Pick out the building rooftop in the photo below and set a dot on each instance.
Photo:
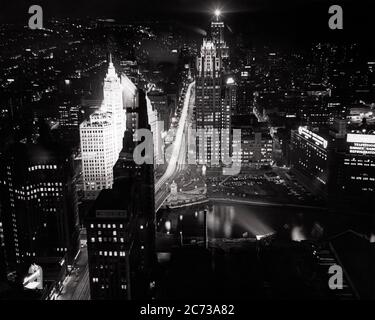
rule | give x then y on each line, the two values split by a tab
109	199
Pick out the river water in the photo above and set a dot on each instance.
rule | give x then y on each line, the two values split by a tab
237	220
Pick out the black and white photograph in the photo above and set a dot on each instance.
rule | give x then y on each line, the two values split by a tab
182	156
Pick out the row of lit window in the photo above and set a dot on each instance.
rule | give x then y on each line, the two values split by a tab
43	166
362	178
104	226
107	239
360	164
112	253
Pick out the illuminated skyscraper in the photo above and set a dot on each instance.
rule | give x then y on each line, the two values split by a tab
208	100
217	35
102	134
98	153
113	102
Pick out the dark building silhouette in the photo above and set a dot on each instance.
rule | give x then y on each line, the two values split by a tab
121	225
38	206
2	265
245	90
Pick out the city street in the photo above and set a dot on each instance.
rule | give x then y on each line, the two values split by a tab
178	158
76	286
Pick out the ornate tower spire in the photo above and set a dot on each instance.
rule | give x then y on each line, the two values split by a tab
111	68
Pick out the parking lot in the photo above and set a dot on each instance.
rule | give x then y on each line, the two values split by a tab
265	184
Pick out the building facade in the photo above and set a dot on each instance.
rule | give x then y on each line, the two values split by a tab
208	100
355	173
217	36
101	135
121	226
98	153
309	156
339	166
39	207
256	142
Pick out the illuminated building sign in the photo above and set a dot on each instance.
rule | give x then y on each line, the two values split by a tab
361	138
318	140
361	143
111	213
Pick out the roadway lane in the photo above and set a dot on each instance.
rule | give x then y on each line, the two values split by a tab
178	144
76	285
82	291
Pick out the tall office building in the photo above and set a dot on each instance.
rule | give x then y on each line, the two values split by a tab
113	103
245	90
160	102
132	121
256	141
101	135
163	112
339	166
309	156
38	206
121	226
354	165
99	154
208	101
228	104
217	36
129	93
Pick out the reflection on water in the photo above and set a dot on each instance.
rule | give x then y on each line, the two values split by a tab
236	221
231	222
297	233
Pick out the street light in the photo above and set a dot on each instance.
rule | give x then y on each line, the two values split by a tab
217	13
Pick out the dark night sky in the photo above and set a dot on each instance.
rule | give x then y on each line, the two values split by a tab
279	17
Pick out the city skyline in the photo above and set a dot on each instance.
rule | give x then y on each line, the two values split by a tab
187	151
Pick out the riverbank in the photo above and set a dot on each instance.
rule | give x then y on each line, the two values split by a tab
263	203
